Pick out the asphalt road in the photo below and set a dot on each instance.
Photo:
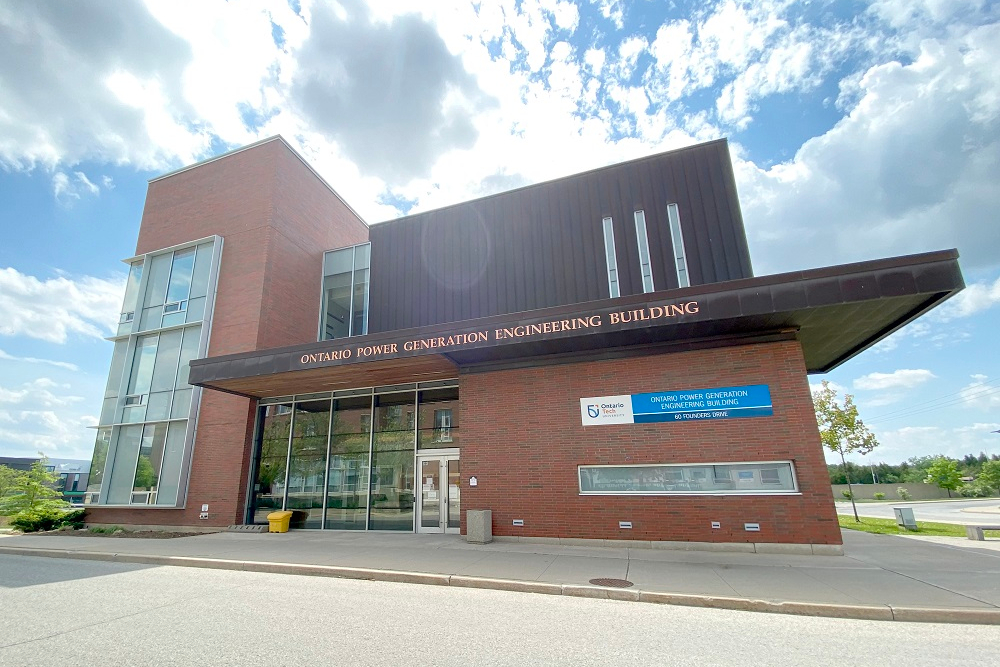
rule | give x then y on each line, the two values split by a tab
980	511
61	611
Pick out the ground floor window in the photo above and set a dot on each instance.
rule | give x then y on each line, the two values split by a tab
346	460
770	477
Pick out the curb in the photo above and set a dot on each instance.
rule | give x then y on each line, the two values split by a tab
859	612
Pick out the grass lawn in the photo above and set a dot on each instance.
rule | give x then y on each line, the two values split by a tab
889	527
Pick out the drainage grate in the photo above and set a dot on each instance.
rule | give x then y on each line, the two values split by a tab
248	528
612	583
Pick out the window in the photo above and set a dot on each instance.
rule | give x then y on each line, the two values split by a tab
644	264
609	251
677	239
131	297
769	476
442	425
345	292
772	477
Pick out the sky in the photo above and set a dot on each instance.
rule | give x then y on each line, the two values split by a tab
858	130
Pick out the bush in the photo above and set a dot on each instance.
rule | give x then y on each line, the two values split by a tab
975	490
903	493
879	495
46	518
847	494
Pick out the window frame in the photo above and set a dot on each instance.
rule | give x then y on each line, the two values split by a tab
611	257
321	327
642	240
730	466
677	243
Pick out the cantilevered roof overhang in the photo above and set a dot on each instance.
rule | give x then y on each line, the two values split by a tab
835	313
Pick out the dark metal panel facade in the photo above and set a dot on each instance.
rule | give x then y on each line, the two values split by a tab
543	245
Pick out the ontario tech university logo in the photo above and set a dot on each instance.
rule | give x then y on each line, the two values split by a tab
606	410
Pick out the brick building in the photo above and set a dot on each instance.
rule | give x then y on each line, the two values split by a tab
590	357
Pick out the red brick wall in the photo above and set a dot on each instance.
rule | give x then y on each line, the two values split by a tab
523	439
276	218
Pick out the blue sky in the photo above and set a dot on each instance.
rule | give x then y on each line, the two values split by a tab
858	130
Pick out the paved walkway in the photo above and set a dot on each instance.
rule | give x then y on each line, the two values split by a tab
879	577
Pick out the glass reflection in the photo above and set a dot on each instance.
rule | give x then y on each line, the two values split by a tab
147	470
269	485
392	472
430	493
307	464
347	478
438	418
454	494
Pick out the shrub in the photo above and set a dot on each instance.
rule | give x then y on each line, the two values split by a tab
847	494
975	490
106	530
46	518
903	494
879	495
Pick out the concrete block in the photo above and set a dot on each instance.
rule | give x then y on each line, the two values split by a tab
952	615
828	549
506	585
479	526
742	547
585	591
783	548
630	544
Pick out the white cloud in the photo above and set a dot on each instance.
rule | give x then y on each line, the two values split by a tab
36	394
904	378
897	445
34	360
981	393
67	189
53	308
60	105
973	299
613	10
816	386
911	168
595	60
566	14
52	432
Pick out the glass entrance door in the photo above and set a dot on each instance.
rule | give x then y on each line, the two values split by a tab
439	509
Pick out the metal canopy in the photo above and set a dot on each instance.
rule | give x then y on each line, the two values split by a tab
834	312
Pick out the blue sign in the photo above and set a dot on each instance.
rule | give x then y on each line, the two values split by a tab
696	404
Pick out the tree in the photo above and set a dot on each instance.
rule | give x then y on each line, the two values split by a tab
8	481
841	429
33	489
917	467
944	473
990	474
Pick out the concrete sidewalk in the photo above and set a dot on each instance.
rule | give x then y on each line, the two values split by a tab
880	577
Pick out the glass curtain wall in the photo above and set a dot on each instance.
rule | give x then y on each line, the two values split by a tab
392	462
307	461
140	449
362	452
347	480
345	292
269	488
